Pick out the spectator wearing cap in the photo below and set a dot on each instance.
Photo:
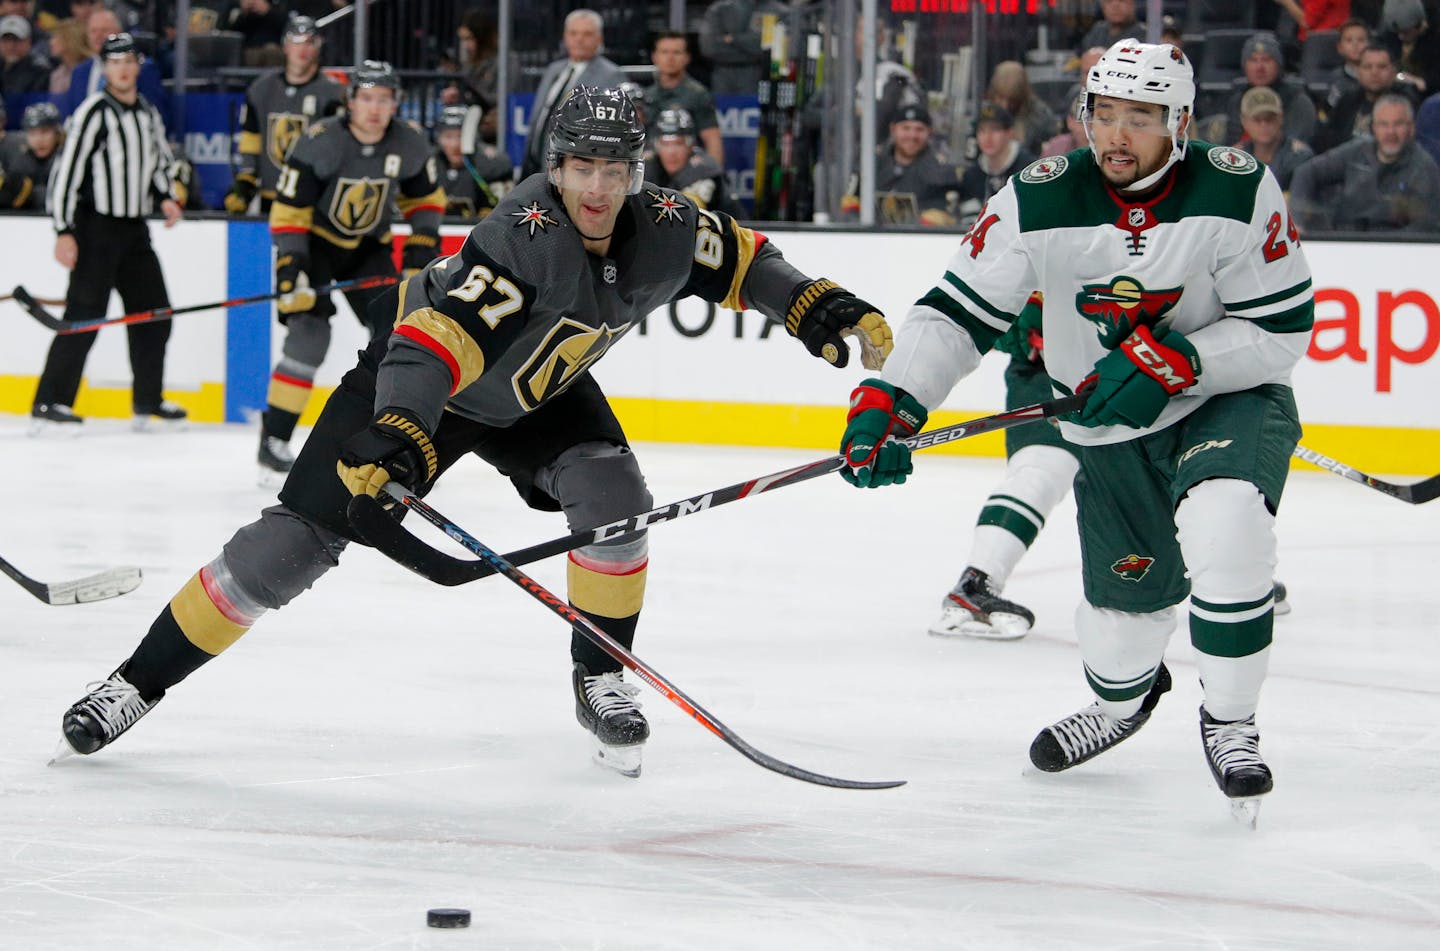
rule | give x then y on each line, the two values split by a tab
27	171
1380	182
475	181
1117	21
681	164
1074	136
1405	30
39	34
1376	77
915	181
1262	61
89	76
1000	156
280	105
675	88
1262	116
583	65
23	71
1035	122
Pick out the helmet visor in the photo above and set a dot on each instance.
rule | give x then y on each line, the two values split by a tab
580	173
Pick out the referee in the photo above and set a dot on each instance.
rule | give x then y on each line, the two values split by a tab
114	164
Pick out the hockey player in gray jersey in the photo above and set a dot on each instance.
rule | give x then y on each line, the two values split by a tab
1175	290
490	355
280	106
331	222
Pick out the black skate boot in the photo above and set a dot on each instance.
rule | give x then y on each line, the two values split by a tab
97	719
167	415
275	459
1232	748
1090	732
53	417
606	706
975	609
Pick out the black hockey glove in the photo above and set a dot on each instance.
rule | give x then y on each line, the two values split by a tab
420	250
241	193
293	285
822	314
392	448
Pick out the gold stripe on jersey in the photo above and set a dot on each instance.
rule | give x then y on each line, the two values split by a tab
250	143
202	622
745	247
466	357
606	595
288	396
289	216
408	206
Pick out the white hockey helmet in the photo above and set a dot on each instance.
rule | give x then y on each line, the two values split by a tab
1146	72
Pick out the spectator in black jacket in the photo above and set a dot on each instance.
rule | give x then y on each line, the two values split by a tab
1351	115
23	70
1384	183
1262	62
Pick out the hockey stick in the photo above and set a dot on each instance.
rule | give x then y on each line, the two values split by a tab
589	630
385	533
47	301
1416	493
33	307
98	587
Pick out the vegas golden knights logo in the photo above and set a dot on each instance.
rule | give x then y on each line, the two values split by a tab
358	205
562	357
282	131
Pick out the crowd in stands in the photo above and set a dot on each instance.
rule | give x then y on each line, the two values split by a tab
1340	98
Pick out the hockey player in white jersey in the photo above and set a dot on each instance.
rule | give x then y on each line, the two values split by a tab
1175	290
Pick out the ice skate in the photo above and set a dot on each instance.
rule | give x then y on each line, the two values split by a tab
1232	748
97	719
166	416
975	609
606	706
275	460
1087	734
53	418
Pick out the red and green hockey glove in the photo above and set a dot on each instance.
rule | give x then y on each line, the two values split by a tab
1133	382
879	415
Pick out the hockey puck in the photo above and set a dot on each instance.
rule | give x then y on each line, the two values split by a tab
448	917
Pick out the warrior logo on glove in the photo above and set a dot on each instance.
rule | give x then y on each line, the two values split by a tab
822	314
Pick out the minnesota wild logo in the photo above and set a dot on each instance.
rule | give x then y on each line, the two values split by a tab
1133	567
1122	305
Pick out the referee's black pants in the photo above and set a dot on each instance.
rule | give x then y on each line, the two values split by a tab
114	254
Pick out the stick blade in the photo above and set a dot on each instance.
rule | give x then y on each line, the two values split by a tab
1425	491
97	587
34	309
382	531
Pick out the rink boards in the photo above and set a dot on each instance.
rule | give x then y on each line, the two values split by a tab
695	373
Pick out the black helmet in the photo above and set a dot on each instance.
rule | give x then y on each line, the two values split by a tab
119	44
598	123
301	27
675	122
39	115
374	73
451	117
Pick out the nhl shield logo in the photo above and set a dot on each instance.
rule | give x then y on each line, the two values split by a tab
1133	567
609	272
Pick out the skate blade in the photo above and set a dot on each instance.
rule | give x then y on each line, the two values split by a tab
624	760
1002	627
62	752
270	479
152	424
1245	811
41	429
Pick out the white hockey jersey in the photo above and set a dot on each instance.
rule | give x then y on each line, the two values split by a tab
1212	255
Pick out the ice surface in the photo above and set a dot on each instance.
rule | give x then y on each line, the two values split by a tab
383	746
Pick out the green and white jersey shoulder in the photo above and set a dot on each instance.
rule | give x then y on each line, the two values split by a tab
1212	255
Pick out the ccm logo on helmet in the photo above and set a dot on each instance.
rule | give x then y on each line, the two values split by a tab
1121	75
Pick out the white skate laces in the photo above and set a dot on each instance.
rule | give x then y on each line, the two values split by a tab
609	696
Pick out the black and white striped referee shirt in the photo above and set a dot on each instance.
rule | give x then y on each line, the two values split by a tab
115	161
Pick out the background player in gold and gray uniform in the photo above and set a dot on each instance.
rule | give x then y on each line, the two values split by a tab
331	222
680	165
490	355
473	181
28	162
280	106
